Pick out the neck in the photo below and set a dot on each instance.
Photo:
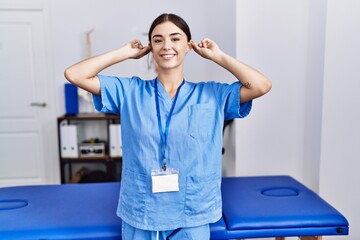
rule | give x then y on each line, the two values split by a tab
171	82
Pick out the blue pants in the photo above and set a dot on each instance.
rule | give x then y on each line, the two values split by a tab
192	233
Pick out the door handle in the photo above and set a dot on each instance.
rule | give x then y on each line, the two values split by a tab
38	104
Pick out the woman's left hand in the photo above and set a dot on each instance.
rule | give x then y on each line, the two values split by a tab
207	49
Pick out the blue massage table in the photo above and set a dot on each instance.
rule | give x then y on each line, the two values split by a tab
253	207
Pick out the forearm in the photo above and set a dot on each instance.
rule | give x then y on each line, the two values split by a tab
90	67
83	74
256	84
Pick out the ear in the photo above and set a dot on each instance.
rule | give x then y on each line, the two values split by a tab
189	46
149	45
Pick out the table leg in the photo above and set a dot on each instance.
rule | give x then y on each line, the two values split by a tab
311	238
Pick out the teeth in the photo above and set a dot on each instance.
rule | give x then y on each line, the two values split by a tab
168	56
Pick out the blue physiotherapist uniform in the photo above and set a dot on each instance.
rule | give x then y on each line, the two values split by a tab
194	147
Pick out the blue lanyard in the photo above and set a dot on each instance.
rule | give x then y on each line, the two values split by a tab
164	135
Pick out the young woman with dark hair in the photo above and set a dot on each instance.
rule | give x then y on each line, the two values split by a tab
171	130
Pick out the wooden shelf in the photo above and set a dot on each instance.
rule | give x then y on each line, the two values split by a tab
92	116
91	158
110	162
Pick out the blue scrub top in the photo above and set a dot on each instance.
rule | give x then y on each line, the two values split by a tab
194	146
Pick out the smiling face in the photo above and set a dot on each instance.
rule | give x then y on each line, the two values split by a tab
169	46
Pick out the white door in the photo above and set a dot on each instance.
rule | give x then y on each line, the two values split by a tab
25	118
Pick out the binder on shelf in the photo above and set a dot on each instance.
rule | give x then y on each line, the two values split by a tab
71	99
115	143
69	141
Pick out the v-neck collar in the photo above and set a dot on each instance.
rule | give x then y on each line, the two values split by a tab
163	94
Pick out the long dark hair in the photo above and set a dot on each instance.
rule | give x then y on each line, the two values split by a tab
175	19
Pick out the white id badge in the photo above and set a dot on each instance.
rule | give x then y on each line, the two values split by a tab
165	181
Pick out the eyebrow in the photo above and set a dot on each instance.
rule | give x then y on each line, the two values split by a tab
172	34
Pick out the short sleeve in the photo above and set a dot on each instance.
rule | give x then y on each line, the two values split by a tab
112	94
230	100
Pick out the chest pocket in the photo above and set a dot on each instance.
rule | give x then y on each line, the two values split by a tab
201	120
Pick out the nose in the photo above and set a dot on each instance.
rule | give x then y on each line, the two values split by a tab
167	45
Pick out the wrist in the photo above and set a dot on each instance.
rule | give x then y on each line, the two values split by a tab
221	58
120	54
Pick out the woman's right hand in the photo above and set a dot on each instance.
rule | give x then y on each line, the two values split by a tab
136	50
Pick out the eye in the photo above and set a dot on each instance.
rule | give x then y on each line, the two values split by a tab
157	40
176	39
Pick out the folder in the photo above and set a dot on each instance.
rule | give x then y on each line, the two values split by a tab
69	141
115	143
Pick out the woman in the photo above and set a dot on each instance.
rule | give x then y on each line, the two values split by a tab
171	128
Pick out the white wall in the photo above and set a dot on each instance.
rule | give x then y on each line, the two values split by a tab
314	93
272	36
340	148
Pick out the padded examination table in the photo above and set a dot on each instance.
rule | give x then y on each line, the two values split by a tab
253	207
275	206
